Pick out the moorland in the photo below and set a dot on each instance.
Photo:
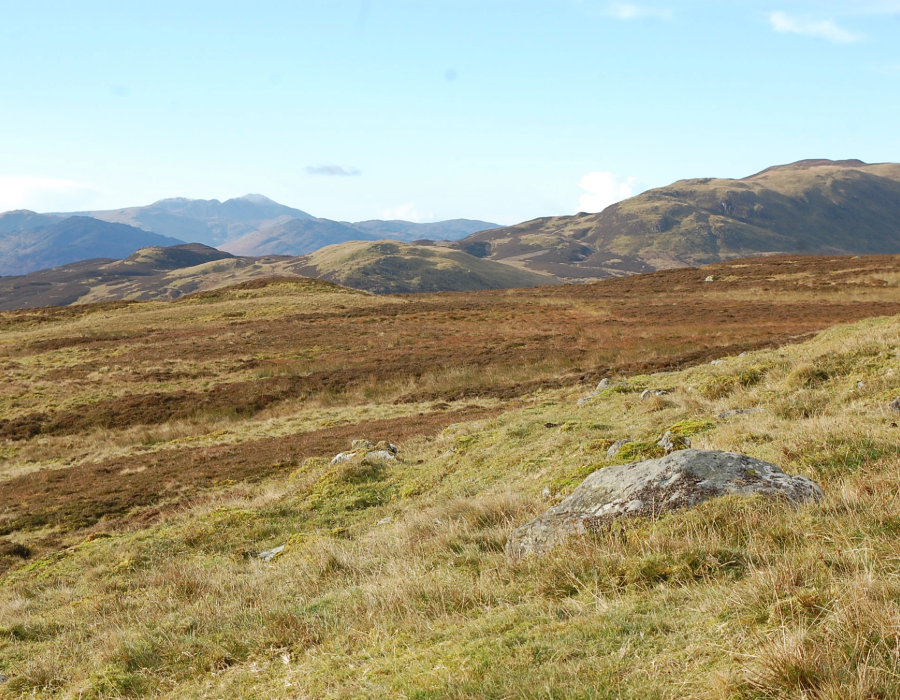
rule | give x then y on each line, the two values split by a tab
152	450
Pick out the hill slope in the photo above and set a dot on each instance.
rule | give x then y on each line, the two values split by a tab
71	239
151	452
149	273
386	267
809	207
296	237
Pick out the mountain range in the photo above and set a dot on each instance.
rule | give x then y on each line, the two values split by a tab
808	207
168	273
251	225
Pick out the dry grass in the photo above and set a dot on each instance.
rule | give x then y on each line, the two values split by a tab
394	582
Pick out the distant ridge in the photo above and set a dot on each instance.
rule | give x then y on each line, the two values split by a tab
808	207
55	242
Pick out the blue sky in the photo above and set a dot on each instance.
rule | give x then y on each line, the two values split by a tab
429	109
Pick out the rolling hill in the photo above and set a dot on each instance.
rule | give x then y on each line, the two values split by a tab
158	273
148	274
386	267
53	242
808	207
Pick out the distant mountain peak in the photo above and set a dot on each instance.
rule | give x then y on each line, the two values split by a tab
256	199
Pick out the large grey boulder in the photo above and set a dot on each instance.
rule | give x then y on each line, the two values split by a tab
648	488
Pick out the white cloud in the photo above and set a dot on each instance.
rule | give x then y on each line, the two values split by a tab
604	189
626	10
819	28
46	194
406	212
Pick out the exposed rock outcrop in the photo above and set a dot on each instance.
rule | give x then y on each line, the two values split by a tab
648	488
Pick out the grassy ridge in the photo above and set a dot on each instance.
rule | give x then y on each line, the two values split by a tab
820	207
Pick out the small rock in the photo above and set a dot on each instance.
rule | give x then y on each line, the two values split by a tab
895	404
738	412
385	521
585	399
3	678
743	354
710	278
682	479
384	455
604	385
545	494
616	447
670	442
647	393
270	554
717	362
860	385
342	457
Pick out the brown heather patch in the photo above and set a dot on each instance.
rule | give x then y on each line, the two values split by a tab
78	497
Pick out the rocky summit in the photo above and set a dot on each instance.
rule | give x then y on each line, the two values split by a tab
647	488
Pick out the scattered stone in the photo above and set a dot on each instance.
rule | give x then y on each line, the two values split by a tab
383	455
682	479
545	494
385	521
711	278
647	393
585	399
895	404
860	385
604	384
3	678
743	354
738	412
616	447
270	554
717	362
670	442
342	457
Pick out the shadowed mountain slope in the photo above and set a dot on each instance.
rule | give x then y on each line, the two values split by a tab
809	207
69	240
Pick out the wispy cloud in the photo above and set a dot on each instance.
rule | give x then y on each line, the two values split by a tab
46	194
819	28
332	171
604	189
627	10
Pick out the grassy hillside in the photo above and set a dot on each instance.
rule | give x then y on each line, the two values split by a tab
151	450
810	207
147	274
386	267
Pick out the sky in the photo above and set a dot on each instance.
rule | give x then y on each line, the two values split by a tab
427	110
